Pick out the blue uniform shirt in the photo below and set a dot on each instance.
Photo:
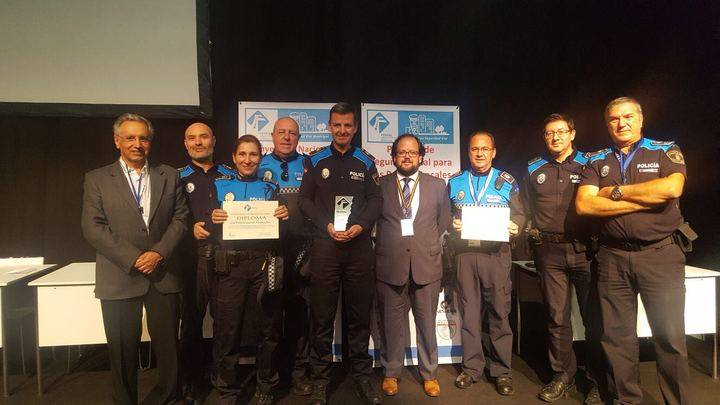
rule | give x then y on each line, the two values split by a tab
502	190
287	174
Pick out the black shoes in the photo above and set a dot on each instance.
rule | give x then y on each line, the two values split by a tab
318	395
367	391
504	386
593	396
556	389
464	380
302	387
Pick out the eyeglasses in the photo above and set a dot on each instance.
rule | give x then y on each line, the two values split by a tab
411	153
559	132
133	138
284	175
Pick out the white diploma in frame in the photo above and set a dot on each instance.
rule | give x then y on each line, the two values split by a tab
486	222
250	220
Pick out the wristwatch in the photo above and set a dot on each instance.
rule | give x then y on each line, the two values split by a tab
616	194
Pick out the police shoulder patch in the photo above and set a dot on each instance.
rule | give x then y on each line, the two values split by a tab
675	156
662	143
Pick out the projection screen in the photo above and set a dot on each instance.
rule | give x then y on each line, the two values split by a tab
105	57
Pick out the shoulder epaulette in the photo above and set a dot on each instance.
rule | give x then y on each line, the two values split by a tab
535	164
593	156
319	154
225	169
185	171
581	157
504	177
362	155
455	175
652	144
224	177
316	151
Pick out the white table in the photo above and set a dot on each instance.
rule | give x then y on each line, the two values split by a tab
13	272
68	313
700	307
66	297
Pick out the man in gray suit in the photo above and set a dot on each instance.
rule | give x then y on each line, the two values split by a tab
416	212
134	215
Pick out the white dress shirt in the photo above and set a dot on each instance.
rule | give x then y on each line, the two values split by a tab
143	180
416	197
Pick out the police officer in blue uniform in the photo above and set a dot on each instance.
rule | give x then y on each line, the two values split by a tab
198	178
633	188
340	193
241	268
284	166
483	268
562	252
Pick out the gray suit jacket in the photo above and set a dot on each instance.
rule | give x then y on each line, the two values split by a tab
395	254
113	225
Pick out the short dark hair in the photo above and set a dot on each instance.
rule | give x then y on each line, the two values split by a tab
559	117
247	138
482	132
343	108
421	147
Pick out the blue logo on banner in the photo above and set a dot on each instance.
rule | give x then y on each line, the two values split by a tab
258	121
311	122
379	122
429	126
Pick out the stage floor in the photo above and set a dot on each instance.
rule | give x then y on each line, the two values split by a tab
89	383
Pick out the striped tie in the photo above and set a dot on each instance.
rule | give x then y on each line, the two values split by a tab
406	196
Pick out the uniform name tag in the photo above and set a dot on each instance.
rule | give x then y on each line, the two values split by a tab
406	227
343	205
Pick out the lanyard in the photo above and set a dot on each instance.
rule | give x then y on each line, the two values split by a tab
136	192
406	204
625	161
478	197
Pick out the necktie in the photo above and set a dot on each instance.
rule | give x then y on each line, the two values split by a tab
406	197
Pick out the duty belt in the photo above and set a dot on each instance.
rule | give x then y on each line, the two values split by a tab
235	256
554	237
638	245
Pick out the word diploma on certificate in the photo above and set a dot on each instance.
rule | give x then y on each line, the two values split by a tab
250	220
485	222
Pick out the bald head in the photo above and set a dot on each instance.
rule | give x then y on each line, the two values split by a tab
285	137
200	143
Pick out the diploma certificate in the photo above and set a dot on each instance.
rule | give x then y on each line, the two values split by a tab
250	220
485	222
